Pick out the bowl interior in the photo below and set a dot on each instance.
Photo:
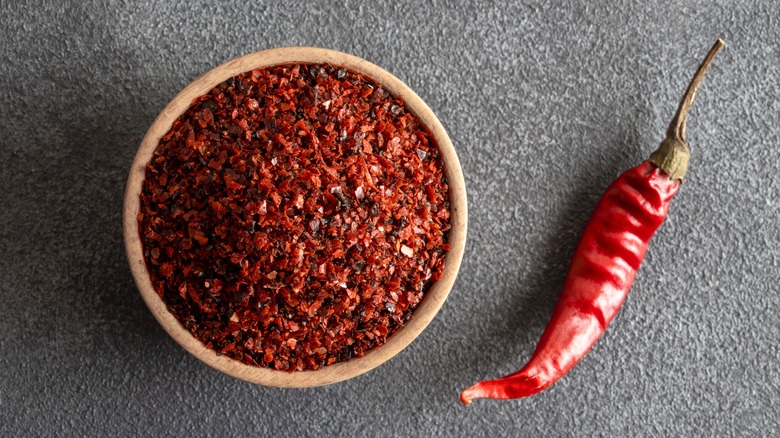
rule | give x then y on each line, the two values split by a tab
425	311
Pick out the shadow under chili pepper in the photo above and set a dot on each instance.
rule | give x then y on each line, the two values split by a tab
533	308
535	294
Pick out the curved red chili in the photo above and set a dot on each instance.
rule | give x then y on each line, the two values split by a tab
605	261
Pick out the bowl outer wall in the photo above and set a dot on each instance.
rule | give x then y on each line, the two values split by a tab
424	313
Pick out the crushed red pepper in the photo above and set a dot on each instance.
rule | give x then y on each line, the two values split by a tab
295	216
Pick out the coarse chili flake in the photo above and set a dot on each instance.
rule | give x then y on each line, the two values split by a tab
295	216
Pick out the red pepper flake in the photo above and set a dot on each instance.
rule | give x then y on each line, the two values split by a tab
295	216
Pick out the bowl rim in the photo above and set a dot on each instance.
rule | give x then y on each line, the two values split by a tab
337	372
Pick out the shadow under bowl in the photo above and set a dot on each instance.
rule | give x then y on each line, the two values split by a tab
425	311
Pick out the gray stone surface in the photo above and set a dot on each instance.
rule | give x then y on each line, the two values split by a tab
545	103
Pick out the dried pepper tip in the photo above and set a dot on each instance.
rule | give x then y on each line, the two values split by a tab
673	153
478	390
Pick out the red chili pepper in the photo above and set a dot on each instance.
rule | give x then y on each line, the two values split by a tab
605	261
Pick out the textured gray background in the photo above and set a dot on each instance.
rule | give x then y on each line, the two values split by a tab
545	105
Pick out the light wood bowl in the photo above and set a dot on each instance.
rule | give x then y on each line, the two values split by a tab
340	371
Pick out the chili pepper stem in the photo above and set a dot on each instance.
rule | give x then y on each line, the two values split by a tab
673	153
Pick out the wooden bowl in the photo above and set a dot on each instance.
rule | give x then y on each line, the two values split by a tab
343	370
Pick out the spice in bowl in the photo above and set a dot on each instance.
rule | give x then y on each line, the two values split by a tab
294	216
